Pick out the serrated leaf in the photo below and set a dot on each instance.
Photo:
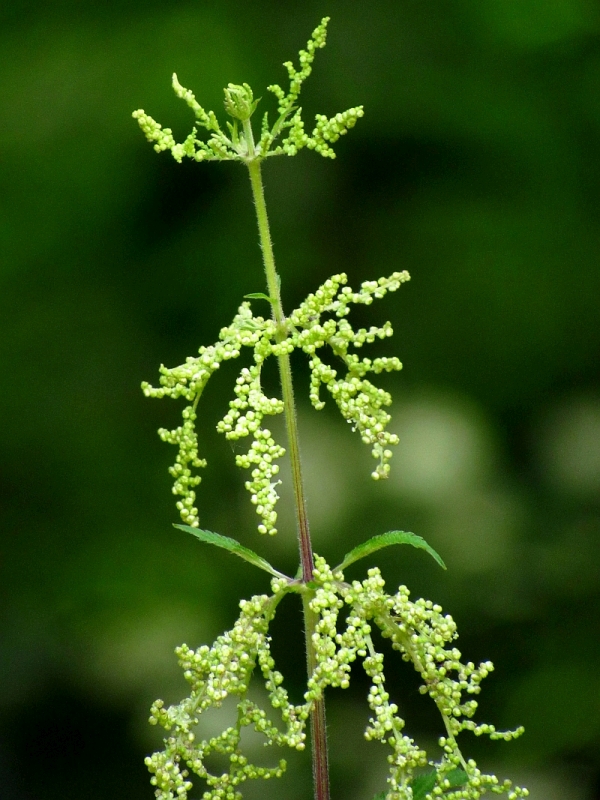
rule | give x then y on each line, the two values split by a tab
385	540
232	546
258	296
423	784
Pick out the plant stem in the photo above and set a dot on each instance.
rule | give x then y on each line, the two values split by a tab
285	371
320	763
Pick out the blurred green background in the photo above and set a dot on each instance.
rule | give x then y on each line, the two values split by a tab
477	168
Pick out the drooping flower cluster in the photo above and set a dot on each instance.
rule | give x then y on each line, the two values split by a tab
214	673
360	402
319	321
240	104
188	381
419	630
423	634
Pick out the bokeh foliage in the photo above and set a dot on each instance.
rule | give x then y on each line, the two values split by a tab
477	168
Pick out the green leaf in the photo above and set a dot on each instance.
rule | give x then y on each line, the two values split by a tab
380	796
233	546
258	296
423	784
458	777
384	540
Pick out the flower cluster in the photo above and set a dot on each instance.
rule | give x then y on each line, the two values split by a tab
238	145
419	630
422	634
188	381
214	673
244	417
319	321
360	402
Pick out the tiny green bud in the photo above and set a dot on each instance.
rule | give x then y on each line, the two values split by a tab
239	101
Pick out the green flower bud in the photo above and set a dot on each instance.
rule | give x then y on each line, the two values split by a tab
239	101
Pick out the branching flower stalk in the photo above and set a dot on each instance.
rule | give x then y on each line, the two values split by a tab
418	630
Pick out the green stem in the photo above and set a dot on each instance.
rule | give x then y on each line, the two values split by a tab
318	724
285	371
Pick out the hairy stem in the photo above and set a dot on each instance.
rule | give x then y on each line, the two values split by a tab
318	724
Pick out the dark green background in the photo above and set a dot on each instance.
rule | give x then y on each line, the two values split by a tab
477	168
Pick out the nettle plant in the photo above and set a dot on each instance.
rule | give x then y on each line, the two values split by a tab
339	616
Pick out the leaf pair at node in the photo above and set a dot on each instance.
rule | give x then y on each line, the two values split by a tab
361	551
